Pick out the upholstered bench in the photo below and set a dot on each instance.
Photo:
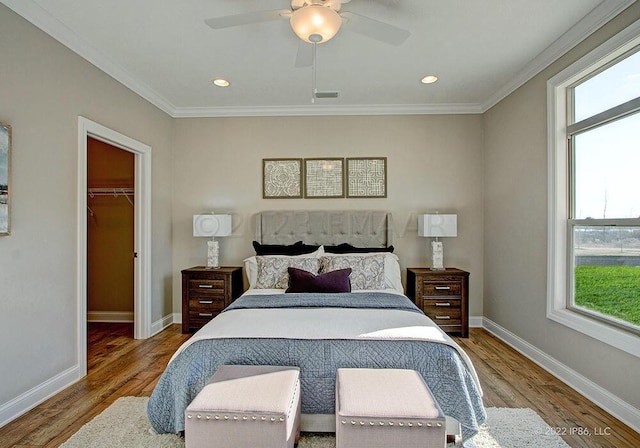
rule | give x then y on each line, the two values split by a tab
386	408
246	407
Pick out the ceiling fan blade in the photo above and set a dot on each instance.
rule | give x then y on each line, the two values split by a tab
374	28
304	57
247	18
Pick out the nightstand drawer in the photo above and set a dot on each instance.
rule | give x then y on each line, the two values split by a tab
199	321
443	315
206	304
441	305
206	286
431	288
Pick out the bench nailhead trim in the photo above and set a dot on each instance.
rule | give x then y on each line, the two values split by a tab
390	423
235	417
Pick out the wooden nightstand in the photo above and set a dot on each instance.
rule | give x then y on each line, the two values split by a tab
443	296
206	292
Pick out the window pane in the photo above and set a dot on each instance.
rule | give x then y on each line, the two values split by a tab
606	171
614	86
607	271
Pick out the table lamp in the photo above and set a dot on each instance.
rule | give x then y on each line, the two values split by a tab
212	225
437	225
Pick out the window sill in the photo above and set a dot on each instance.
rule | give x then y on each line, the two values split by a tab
611	335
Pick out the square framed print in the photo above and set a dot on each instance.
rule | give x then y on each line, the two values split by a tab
367	177
281	178
5	177
323	178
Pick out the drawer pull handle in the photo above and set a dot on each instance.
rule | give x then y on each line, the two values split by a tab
205	314
443	304
443	288
443	317
206	286
206	302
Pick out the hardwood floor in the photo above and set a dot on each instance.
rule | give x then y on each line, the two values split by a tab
510	380
120	366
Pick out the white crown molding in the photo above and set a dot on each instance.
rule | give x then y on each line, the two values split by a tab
316	110
600	15
39	17
616	406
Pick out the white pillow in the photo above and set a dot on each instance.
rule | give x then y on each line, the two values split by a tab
392	276
251	264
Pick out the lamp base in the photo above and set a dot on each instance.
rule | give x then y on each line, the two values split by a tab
437	257
213	255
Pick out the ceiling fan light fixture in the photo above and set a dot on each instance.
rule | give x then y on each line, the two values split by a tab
315	23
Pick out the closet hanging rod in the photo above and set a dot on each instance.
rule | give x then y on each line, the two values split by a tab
109	191
115	192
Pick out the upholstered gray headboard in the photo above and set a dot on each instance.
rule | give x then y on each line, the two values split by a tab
361	228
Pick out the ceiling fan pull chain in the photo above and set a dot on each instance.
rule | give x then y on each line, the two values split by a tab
313	75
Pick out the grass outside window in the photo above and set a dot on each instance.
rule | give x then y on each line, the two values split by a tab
610	290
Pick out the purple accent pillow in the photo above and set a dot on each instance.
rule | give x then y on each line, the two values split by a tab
333	281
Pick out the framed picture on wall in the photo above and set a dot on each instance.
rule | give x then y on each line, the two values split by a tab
367	177
5	177
324	178
281	178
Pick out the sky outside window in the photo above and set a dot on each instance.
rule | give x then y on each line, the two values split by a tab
607	158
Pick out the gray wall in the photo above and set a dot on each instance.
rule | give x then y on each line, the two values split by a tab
433	163
44	87
515	239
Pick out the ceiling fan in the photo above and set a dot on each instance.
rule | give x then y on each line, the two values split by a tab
316	22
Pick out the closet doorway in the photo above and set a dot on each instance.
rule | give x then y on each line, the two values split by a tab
141	204
110	229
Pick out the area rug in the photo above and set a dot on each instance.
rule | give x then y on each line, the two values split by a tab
125	424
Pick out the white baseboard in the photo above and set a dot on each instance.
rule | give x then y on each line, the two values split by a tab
475	321
110	316
30	399
161	324
600	396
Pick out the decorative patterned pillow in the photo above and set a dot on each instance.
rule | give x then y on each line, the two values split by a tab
367	271
272	270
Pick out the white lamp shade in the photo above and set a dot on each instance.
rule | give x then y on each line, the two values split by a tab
211	225
315	23
437	225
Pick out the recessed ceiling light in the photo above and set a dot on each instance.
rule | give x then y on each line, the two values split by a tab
429	79
220	82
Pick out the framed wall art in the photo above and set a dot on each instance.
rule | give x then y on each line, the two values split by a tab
281	178
367	177
324	178
5	177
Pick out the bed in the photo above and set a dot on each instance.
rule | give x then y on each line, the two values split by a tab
344	307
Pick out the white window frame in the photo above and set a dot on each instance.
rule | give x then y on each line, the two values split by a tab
558	178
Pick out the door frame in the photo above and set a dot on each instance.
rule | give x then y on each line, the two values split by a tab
142	231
